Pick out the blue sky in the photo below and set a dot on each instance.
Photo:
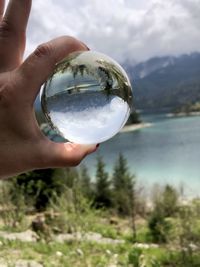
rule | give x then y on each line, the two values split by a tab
133	30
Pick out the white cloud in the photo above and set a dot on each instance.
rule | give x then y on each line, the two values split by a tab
123	29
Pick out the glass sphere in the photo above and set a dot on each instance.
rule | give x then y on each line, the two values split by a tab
88	98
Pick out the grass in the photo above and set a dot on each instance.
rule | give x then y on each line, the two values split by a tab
83	254
89	254
72	254
184	230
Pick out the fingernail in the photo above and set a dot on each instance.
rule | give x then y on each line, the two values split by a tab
86	46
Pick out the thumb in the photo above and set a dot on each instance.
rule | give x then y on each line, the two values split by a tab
56	155
41	63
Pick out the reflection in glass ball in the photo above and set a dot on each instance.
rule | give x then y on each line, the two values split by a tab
88	98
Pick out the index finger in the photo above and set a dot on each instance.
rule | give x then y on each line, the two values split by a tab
16	15
2	4
12	33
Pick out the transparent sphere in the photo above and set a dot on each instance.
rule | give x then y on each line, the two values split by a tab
88	98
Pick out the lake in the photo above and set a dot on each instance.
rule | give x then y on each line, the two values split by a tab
166	152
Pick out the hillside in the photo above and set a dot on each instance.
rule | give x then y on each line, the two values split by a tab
166	82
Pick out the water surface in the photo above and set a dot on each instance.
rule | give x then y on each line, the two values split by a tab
166	152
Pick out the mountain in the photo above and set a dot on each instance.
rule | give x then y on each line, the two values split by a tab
166	82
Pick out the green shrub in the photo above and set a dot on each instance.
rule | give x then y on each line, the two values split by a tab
134	257
159	227
13	207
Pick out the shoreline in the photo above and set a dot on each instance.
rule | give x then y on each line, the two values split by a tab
134	127
183	114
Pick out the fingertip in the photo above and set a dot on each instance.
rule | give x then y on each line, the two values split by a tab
83	149
85	46
90	148
66	154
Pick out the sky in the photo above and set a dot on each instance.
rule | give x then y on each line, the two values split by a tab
127	30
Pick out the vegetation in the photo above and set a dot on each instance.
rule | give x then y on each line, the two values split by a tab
79	221
188	109
133	118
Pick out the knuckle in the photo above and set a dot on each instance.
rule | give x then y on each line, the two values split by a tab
43	50
6	29
5	99
8	91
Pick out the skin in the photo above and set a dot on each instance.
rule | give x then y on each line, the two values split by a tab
23	147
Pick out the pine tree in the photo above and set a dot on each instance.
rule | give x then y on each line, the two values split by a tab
85	183
71	177
165	205
102	186
123	186
170	200
124	196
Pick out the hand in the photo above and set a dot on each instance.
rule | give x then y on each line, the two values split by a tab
23	147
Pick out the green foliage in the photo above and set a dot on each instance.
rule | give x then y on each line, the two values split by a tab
134	257
102	186
70	177
165	205
13	207
169	201
37	187
133	118
70	199
85	183
123	187
105	229
143	235
188	231
138	258
159	227
72	211
188	108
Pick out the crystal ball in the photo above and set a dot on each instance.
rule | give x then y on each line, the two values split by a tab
88	98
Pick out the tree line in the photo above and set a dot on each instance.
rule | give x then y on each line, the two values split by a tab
106	191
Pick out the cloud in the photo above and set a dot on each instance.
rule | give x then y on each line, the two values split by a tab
124	29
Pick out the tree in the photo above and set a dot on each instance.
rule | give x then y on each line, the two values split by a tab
123	186
169	201
158	225
36	186
165	205
85	183
71	177
133	118
40	186
102	187
124	195
188	233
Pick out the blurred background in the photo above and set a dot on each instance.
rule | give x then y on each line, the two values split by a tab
157	42
135	202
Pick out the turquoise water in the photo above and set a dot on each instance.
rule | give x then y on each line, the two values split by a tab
166	152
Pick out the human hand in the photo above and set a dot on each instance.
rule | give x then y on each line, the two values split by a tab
23	147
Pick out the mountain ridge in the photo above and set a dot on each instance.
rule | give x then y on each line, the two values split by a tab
163	82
